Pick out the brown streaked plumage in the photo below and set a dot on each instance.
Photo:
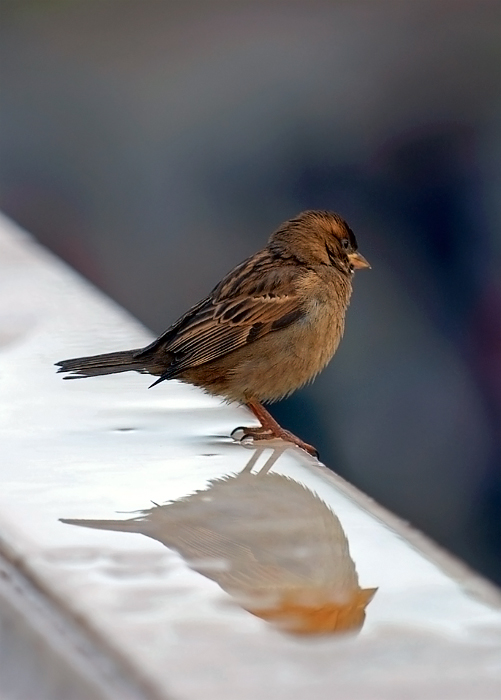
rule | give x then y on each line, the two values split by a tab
265	330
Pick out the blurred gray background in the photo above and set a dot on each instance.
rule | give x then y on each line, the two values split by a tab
153	145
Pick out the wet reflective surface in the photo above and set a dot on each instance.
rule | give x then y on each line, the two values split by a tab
254	575
268	541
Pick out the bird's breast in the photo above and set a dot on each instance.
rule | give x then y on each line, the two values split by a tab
282	361
319	333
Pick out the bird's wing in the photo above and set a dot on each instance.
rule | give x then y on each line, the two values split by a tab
256	298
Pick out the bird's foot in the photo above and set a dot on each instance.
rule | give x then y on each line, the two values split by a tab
260	433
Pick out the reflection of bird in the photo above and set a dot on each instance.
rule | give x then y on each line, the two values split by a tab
266	329
269	542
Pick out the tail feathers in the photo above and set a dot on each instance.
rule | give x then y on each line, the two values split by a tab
132	525
109	363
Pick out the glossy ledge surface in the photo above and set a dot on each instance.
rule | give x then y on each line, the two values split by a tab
211	569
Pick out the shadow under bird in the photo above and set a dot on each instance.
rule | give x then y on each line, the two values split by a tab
269	327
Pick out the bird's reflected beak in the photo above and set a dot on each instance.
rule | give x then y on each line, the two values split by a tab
358	261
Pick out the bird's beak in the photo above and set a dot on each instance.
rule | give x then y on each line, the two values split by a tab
358	261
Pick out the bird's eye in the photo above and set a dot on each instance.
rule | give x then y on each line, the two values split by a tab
345	243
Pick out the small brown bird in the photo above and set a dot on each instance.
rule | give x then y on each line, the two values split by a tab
265	330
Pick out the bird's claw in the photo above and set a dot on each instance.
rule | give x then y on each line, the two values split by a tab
235	431
260	433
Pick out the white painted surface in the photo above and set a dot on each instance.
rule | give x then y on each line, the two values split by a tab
102	448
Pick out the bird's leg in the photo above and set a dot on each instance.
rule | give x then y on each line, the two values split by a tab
271	429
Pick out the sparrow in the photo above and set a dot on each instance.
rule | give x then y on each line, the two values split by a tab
269	327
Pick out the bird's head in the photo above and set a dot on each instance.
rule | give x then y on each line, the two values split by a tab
319	238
